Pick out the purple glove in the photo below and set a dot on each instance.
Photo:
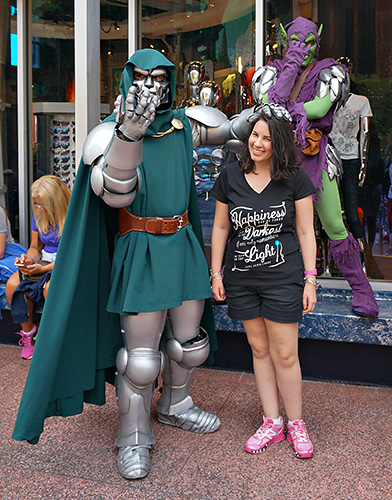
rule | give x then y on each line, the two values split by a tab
292	61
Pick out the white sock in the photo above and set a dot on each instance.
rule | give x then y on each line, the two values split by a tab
31	331
277	421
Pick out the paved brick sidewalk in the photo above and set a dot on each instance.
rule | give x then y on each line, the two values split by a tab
75	459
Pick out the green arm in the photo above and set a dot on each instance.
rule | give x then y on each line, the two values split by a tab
314	109
318	107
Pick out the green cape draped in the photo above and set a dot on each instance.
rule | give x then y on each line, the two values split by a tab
78	338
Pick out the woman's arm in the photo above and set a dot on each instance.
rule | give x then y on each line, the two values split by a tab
307	241
220	233
33	254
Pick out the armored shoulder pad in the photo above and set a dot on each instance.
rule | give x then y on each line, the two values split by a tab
263	79
336	82
206	115
97	141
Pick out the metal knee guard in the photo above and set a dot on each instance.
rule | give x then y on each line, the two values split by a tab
180	363
137	370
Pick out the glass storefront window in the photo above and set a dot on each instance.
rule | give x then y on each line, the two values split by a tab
8	116
220	36
53	90
359	31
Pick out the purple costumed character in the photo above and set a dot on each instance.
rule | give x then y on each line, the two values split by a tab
311	90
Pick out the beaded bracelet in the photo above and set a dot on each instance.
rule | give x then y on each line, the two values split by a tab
312	282
217	275
312	272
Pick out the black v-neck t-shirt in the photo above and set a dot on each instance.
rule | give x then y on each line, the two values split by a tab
263	247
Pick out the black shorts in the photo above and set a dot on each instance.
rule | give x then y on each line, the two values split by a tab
282	303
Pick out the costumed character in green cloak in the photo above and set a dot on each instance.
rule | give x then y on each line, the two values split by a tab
153	280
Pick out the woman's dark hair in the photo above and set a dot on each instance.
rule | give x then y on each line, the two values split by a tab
284	151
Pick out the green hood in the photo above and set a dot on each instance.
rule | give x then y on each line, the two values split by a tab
149	59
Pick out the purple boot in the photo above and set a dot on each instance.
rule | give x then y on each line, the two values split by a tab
345	254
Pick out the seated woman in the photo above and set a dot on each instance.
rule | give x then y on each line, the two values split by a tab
27	288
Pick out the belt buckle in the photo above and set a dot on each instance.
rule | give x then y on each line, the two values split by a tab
180	221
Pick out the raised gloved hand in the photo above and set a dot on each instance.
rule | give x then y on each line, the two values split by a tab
292	60
135	119
296	53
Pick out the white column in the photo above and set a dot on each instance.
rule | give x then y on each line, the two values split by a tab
133	27
87	70
25	111
260	35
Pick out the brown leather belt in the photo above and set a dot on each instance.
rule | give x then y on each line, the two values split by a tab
153	225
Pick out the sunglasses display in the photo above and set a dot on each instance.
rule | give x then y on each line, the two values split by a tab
62	137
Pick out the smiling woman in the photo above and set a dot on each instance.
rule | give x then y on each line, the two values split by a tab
263	278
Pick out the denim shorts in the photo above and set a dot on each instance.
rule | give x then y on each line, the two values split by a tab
281	303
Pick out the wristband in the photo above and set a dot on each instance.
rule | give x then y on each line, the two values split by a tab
315	283
312	272
217	275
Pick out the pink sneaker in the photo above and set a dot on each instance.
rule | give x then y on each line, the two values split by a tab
28	343
298	436
266	434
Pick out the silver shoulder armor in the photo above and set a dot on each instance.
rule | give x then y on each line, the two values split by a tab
206	115
336	82
114	177
97	141
209	125
263	79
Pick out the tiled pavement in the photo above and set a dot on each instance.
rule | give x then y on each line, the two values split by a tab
350	426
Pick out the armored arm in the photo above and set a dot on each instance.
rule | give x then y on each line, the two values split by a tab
114	176
363	148
114	150
209	125
332	87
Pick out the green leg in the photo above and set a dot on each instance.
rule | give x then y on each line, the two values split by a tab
329	210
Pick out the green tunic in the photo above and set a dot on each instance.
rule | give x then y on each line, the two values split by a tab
156	272
79	335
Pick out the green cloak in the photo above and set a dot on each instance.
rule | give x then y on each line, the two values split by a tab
78	338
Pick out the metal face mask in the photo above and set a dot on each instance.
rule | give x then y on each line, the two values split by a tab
156	81
209	94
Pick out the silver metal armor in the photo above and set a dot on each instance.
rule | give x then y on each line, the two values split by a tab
334	162
114	178
184	347
209	125
263	79
209	93
336	82
363	148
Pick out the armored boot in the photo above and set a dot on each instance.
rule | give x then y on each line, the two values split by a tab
345	254
175	406
137	370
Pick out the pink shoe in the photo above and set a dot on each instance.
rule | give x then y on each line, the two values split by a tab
298	436
266	434
28	343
